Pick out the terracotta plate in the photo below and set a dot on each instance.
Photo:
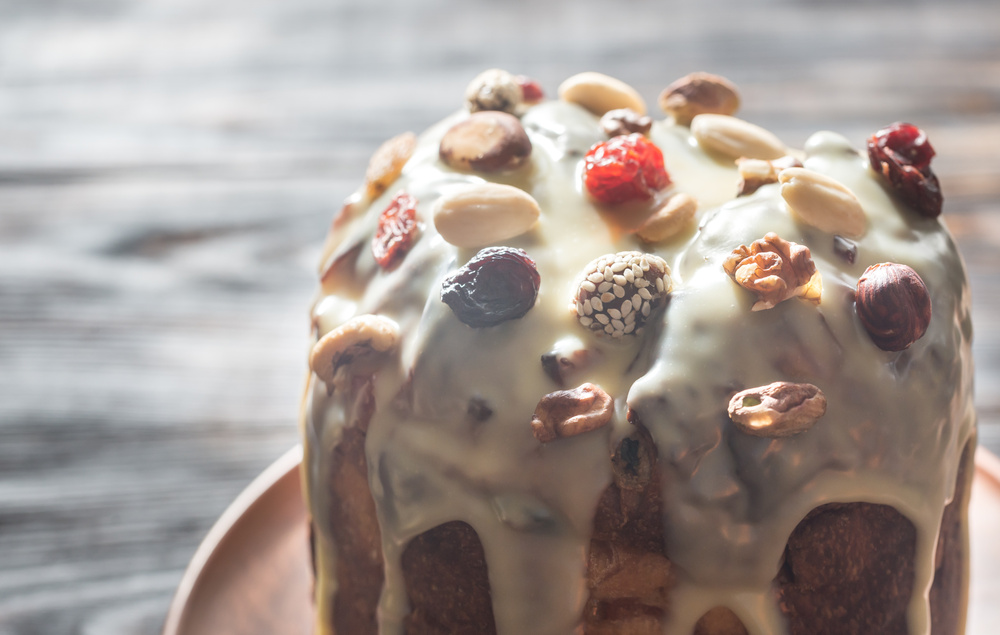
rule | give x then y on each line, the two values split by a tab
251	575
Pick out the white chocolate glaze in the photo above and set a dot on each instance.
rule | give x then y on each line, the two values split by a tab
893	433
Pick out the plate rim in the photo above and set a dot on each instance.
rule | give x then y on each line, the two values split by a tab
287	465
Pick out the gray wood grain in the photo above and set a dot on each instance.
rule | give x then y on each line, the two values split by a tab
168	169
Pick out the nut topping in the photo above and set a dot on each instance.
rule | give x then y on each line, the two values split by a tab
486	142
483	214
387	163
756	173
618	292
780	409
567	357
600	93
735	138
775	270
822	202
361	337
893	305
566	413
625	121
666	222
698	94
494	89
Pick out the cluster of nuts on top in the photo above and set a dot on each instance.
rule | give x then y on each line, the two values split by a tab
891	300
617	293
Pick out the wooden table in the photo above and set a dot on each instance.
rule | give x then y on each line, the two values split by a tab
168	169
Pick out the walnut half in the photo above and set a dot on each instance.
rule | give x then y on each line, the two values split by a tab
775	270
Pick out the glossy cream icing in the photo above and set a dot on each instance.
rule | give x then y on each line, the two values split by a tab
893	433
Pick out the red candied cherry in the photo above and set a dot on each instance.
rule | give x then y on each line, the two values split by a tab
624	168
902	154
530	89
397	227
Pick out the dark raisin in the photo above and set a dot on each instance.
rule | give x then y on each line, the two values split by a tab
498	284
479	410
846	249
624	168
397	226
902	154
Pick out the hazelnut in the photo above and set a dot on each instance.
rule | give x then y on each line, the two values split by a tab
494	89
699	93
893	305
487	141
625	121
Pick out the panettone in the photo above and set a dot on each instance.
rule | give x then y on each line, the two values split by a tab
577	370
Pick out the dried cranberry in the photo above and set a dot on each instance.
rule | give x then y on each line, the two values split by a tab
902	154
624	168
498	284
397	226
530	89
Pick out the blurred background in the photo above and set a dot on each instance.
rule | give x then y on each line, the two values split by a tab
168	170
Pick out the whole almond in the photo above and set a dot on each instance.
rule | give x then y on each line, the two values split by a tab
698	94
735	138
487	141
484	214
600	93
670	219
822	202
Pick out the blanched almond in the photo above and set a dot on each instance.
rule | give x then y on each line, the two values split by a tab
484	214
600	93
670	219
736	138
822	202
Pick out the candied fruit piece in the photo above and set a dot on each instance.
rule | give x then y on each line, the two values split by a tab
530	88
902	154
624	168
498	284
397	228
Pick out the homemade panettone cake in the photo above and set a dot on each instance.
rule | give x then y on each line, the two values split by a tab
579	371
